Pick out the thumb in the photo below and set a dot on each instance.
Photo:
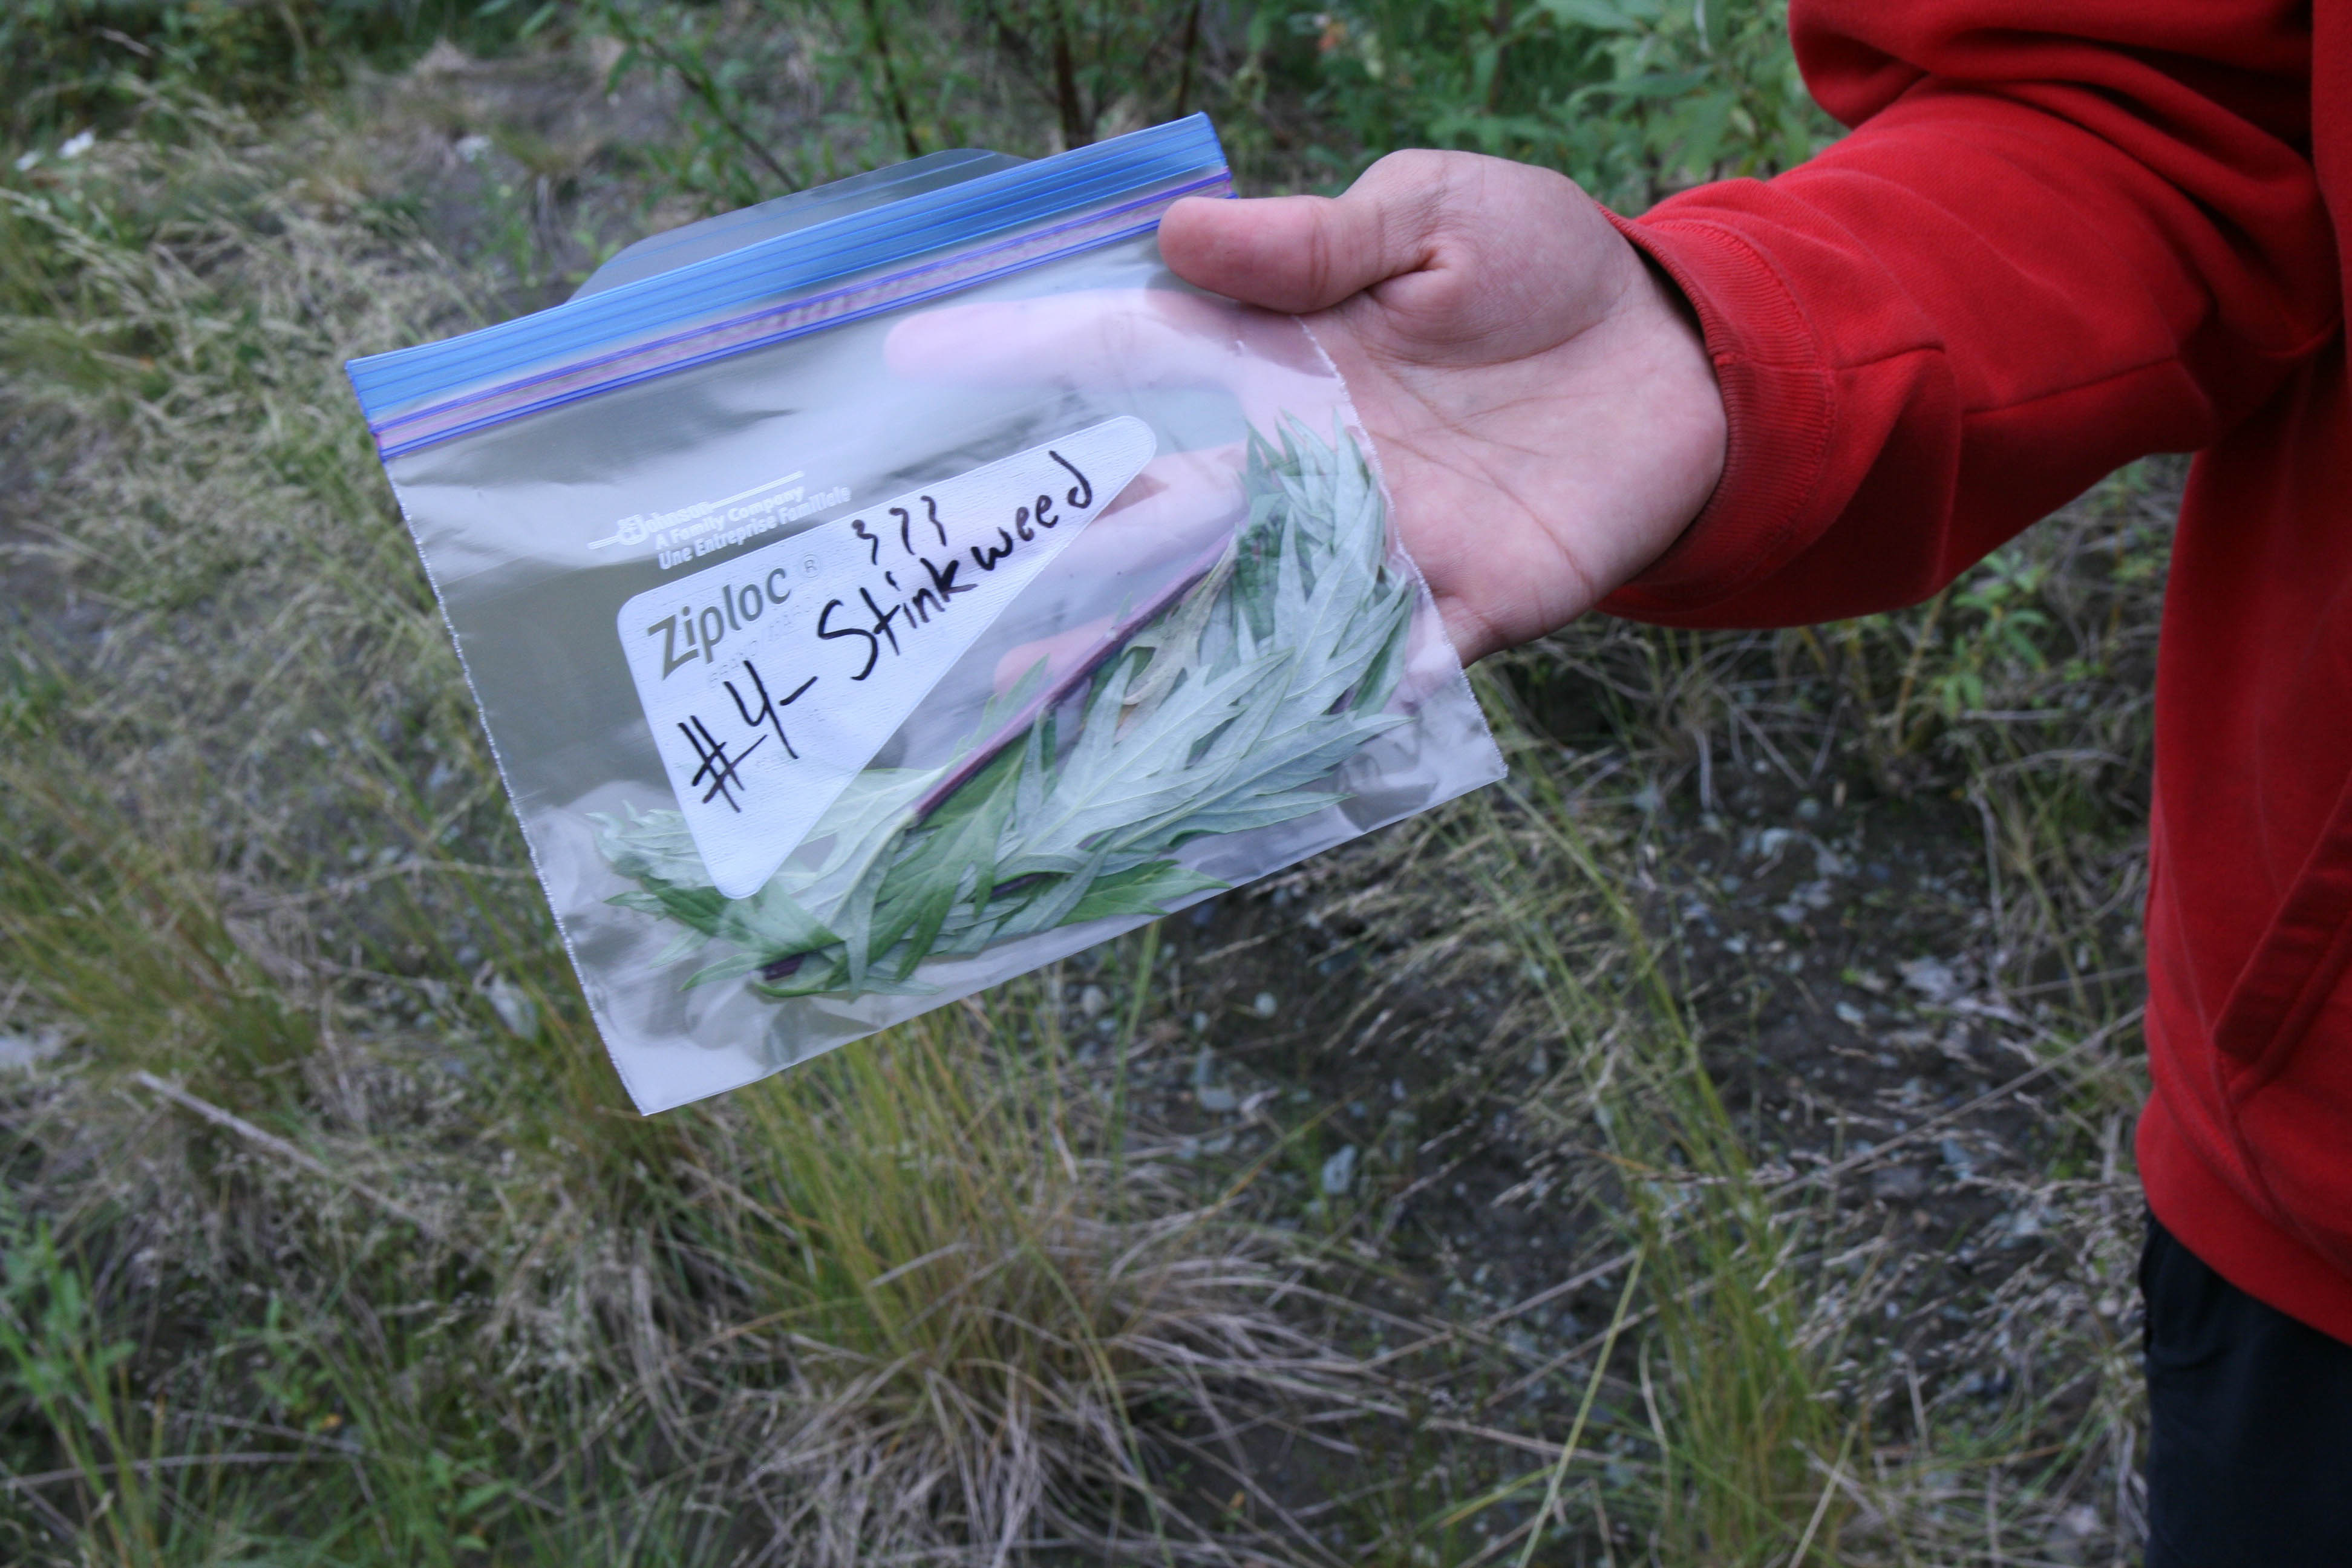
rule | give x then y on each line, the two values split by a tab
1297	254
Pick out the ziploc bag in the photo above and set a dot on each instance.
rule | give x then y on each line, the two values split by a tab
874	596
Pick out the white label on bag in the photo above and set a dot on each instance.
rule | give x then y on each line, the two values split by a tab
769	682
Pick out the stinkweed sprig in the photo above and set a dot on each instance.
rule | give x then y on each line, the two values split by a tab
1228	709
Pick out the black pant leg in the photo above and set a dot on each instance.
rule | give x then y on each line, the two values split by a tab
2250	1448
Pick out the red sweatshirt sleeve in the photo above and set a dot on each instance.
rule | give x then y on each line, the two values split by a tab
2064	234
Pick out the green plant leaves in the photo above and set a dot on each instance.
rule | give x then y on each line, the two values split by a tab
1630	98
1229	711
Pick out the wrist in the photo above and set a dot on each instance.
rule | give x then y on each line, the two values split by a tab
1692	382
1774	405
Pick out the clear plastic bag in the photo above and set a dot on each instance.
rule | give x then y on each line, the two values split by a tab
874	596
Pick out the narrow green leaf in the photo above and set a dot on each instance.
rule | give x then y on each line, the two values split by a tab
1146	890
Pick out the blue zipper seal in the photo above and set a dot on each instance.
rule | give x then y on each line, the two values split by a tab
885	257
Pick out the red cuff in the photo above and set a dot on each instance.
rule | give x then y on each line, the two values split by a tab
1777	398
2242	1244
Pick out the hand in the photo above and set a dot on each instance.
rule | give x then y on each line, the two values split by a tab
1544	409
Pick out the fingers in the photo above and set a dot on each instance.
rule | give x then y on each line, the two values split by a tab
1060	654
1126	340
1171	509
1153	335
1300	254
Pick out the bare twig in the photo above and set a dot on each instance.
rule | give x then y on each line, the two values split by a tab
699	82
169	1462
878	36
284	1151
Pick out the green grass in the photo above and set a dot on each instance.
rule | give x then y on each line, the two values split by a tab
1741	1414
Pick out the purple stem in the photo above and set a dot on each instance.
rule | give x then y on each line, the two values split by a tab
1114	638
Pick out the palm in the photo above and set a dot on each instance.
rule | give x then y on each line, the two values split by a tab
1546	418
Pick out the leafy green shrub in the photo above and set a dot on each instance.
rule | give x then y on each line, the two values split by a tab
1630	98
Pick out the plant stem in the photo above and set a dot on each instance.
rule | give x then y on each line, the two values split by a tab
1583	1409
1901	719
880	38
1118	1081
1113	639
1501	29
1077	132
704	86
1192	47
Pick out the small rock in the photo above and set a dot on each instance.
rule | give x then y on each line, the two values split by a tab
1898	1184
1986	1385
1850	1015
1092	1001
1931	977
1266	1006
514	1008
1211	1096
1340	1172
25	1051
